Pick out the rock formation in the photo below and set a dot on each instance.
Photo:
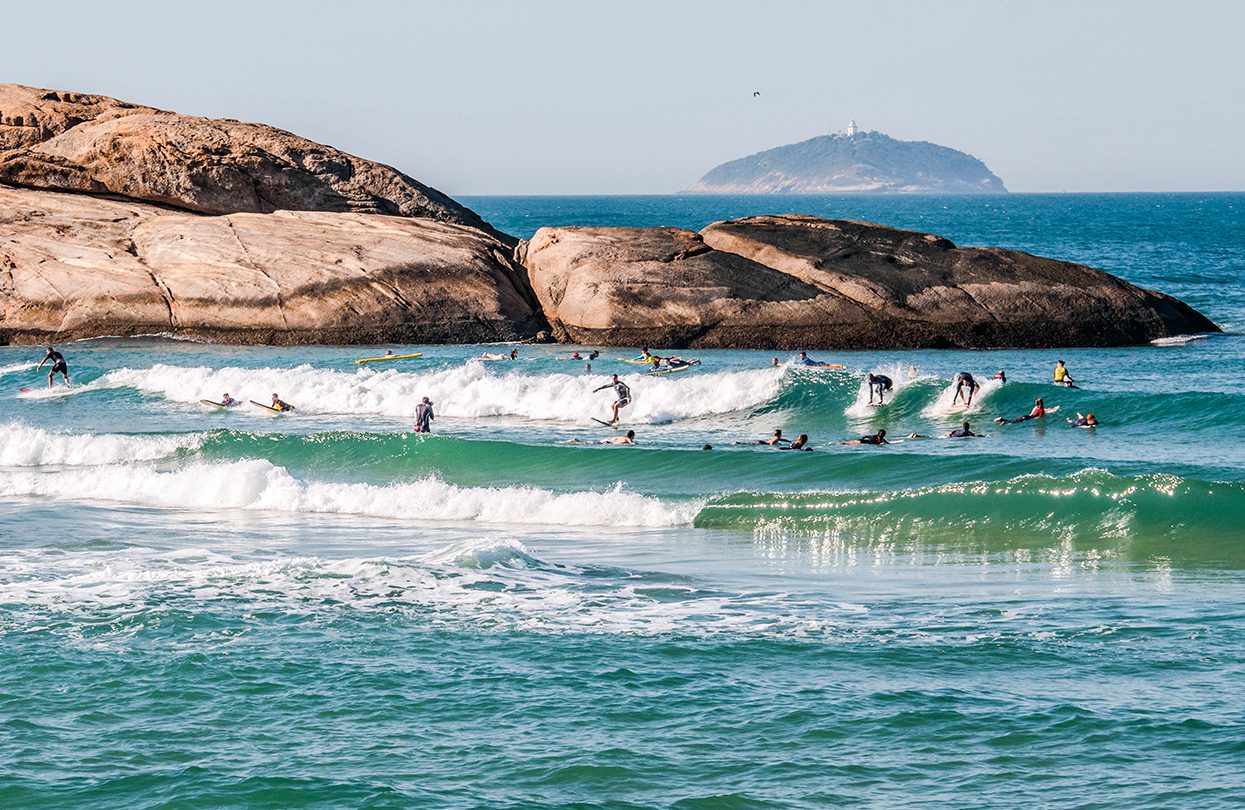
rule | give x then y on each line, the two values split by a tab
868	162
800	282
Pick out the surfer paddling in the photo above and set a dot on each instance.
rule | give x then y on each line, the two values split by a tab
58	365
965	431
228	401
877	438
623	393
965	380
514	355
1038	412
280	405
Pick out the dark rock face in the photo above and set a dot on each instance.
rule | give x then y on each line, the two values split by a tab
61	141
800	282
869	162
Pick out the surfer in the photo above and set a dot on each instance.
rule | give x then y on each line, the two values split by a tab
628	439
964	432
962	380
877	438
798	444
623	392
424	416
594	354
1062	377
773	441
776	363
279	405
58	365
805	360
1038	412
514	355
1086	421
228	401
575	356
1001	376
880	383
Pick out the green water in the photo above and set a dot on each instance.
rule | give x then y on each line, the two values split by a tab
223	609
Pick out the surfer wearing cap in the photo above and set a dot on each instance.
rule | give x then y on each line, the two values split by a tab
965	380
964	432
424	416
880	383
58	365
623	392
877	438
279	405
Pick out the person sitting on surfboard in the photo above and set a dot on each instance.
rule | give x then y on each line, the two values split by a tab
962	380
424	416
1038	412
278	405
1062	377
623	392
880	383
877	438
228	401
58	365
964	432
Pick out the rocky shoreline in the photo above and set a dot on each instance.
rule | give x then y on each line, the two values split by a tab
118	219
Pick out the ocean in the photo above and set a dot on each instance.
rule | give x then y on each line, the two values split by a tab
208	608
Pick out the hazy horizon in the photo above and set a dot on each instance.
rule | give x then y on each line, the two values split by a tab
555	98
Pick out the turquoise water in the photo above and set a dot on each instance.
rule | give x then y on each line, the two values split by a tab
226	609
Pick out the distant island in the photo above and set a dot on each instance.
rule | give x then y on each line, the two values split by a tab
852	162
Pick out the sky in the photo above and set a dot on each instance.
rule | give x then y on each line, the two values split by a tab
642	97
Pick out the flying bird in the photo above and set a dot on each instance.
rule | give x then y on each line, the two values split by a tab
756	93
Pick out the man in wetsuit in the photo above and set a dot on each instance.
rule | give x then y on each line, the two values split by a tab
877	438
228	401
1062	377
880	383
962	380
279	405
424	416
58	365
964	432
623	392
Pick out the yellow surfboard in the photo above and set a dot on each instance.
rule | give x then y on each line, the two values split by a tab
388	357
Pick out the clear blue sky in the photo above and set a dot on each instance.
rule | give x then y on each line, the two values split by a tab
644	97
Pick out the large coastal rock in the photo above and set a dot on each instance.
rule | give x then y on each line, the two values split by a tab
801	282
61	141
864	162
75	266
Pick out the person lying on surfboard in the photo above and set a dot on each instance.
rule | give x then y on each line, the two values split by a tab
514	355
228	401
798	444
628	439
877	438
776	440
279	405
623	392
1038	412
805	360
965	380
1086	421
964	432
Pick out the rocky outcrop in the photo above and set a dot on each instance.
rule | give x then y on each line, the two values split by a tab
865	162
61	141
800	282
75	266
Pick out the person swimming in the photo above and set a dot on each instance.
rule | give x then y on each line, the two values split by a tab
1038	412
621	390
963	380
877	438
964	432
880	383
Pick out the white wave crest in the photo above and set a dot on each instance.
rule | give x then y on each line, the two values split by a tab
16	367
25	446
472	390
260	485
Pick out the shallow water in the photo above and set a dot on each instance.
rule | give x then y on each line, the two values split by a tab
204	608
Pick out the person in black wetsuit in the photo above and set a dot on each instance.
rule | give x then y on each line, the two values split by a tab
1038	412
880	383
58	365
962	380
424	416
964	432
877	438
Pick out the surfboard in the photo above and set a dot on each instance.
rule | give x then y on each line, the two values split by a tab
602	422
670	370
635	362
389	357
220	406
814	365
268	408
23	390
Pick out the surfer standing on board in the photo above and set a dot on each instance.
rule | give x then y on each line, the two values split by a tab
880	383
962	380
623	392
58	365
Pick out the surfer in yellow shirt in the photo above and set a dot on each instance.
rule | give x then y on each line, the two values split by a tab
1062	377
